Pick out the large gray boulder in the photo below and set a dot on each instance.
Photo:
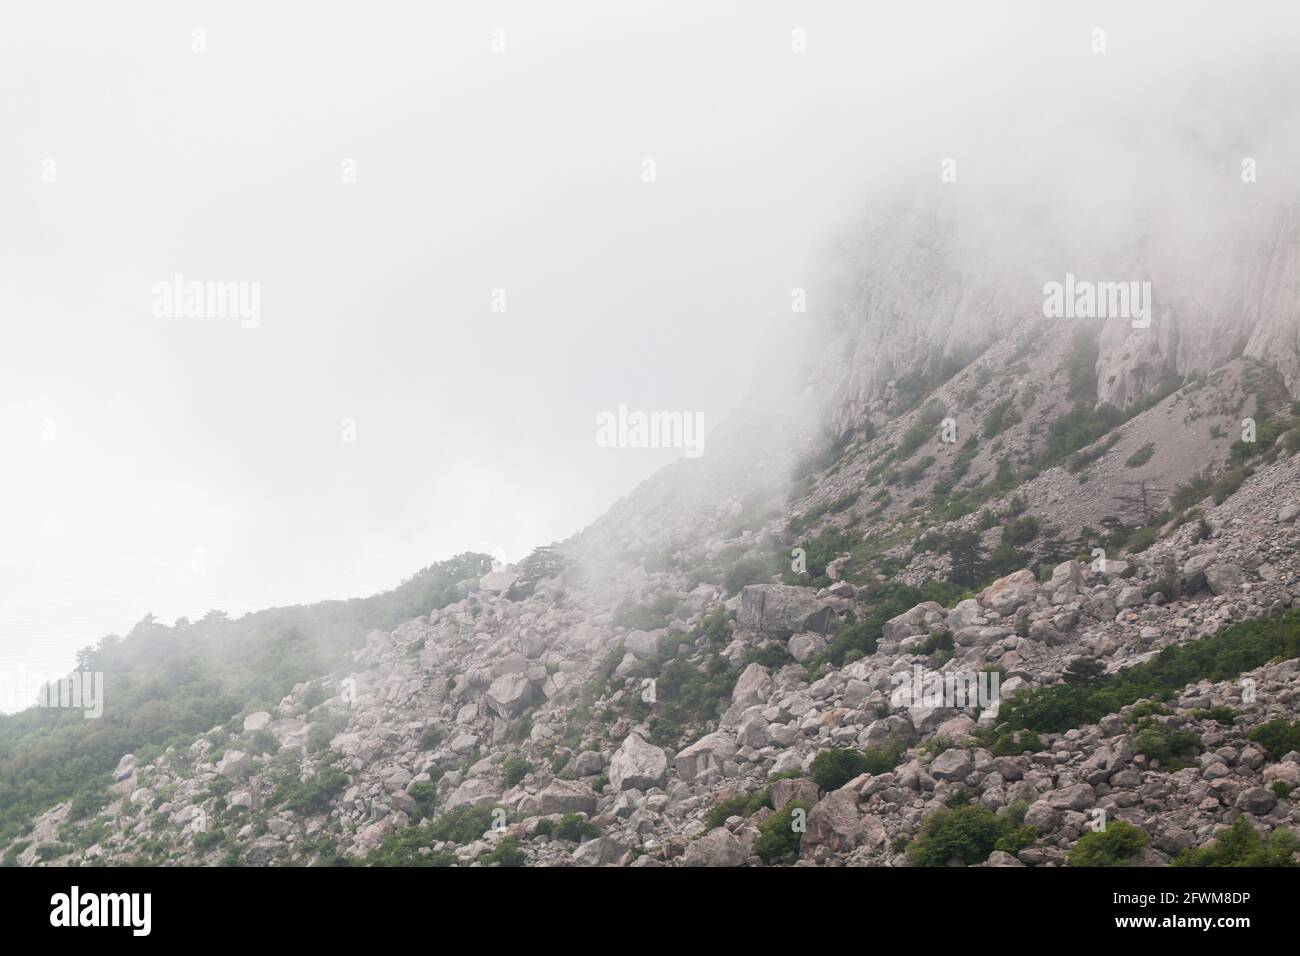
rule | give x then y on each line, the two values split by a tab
1194	571
637	765
708	753
1068	572
753	732
588	763
1011	592
642	644
602	851
474	792
911	623
953	764
1256	800
566	796
258	720
234	764
781	610
498	581
510	695
835	823
966	614
1223	577
796	788
718	847
1077	796
753	686
126	766
806	645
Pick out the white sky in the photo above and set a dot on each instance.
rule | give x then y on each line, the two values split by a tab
474	171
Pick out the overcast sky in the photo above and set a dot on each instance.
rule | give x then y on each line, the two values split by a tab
172	464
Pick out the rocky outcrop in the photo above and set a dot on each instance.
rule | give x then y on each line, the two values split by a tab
637	765
781	610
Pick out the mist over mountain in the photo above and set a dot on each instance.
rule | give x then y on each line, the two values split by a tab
992	559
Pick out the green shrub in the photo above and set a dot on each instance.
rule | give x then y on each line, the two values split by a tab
1084	671
518	730
772	655
425	795
693	680
15	850
314	695
322	732
964	834
724	810
1081	365
1113	846
1218	657
1241	845
832	769
938	642
87	801
1000	417
1141	539
1010	743
1190	492
514	769
1175	749
576	827
743	805
1013	841
921	430
264	742
51	851
208	839
1226	485
819	552
1277	737
1147	708
1222	715
777	837
748	571
506	853
310	796
464	824
404	847
1141	456
1020	531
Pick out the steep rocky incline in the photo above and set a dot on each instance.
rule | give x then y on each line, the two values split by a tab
533	705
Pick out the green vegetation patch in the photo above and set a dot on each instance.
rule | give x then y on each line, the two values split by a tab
1218	657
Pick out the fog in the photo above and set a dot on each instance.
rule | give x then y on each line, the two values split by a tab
471	232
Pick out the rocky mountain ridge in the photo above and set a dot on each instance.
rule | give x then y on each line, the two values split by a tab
532	709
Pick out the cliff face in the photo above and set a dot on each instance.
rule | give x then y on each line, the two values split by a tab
921	301
1199	204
